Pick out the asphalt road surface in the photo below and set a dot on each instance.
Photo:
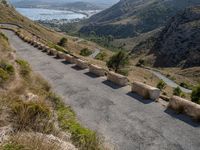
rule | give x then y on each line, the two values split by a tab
123	118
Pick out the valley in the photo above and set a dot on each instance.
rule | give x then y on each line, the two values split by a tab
126	77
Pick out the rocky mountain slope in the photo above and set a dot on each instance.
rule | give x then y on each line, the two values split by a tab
178	43
129	18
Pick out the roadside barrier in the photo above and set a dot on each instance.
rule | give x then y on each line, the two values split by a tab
81	64
61	55
117	78
185	106
97	70
146	91
70	59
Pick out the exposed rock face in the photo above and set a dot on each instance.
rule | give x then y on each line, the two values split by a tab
179	42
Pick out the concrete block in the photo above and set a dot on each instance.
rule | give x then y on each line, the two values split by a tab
81	64
70	58
61	55
97	70
145	90
117	78
185	106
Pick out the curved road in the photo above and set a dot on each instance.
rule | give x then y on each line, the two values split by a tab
168	81
126	120
96	52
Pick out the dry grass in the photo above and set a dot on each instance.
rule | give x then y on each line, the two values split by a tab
30	141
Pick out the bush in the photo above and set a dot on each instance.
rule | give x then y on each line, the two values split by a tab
31	115
4	76
118	61
4	36
24	68
140	63
185	85
101	56
82	138
63	42
123	72
7	67
177	91
195	96
161	85
85	52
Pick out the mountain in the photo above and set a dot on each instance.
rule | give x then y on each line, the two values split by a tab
128	18
178	44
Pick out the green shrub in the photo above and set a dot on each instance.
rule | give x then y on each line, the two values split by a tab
123	72
195	96
101	56
140	63
24	67
85	52
118	61
63	42
12	146
7	67
177	91
4	36
82	138
31	115
161	85
59	48
4	76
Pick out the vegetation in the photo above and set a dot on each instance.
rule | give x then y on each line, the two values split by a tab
6	71
101	56
161	85
140	63
33	115
85	52
178	92
81	137
63	42
195	96
118	61
24	67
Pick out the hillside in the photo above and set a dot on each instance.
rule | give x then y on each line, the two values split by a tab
32	116
128	18
178	43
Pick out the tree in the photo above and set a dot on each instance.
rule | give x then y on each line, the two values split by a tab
118	61
63	42
195	96
161	85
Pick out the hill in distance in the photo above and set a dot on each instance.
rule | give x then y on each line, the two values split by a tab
129	18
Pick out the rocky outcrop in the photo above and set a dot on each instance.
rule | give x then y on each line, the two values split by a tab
178	43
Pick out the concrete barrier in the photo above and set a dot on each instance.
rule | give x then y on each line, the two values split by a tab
145	90
97	70
45	48
117	78
185	106
53	52
70	58
61	55
81	64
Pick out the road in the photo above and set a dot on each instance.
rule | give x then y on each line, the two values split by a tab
123	118
96	52
169	82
